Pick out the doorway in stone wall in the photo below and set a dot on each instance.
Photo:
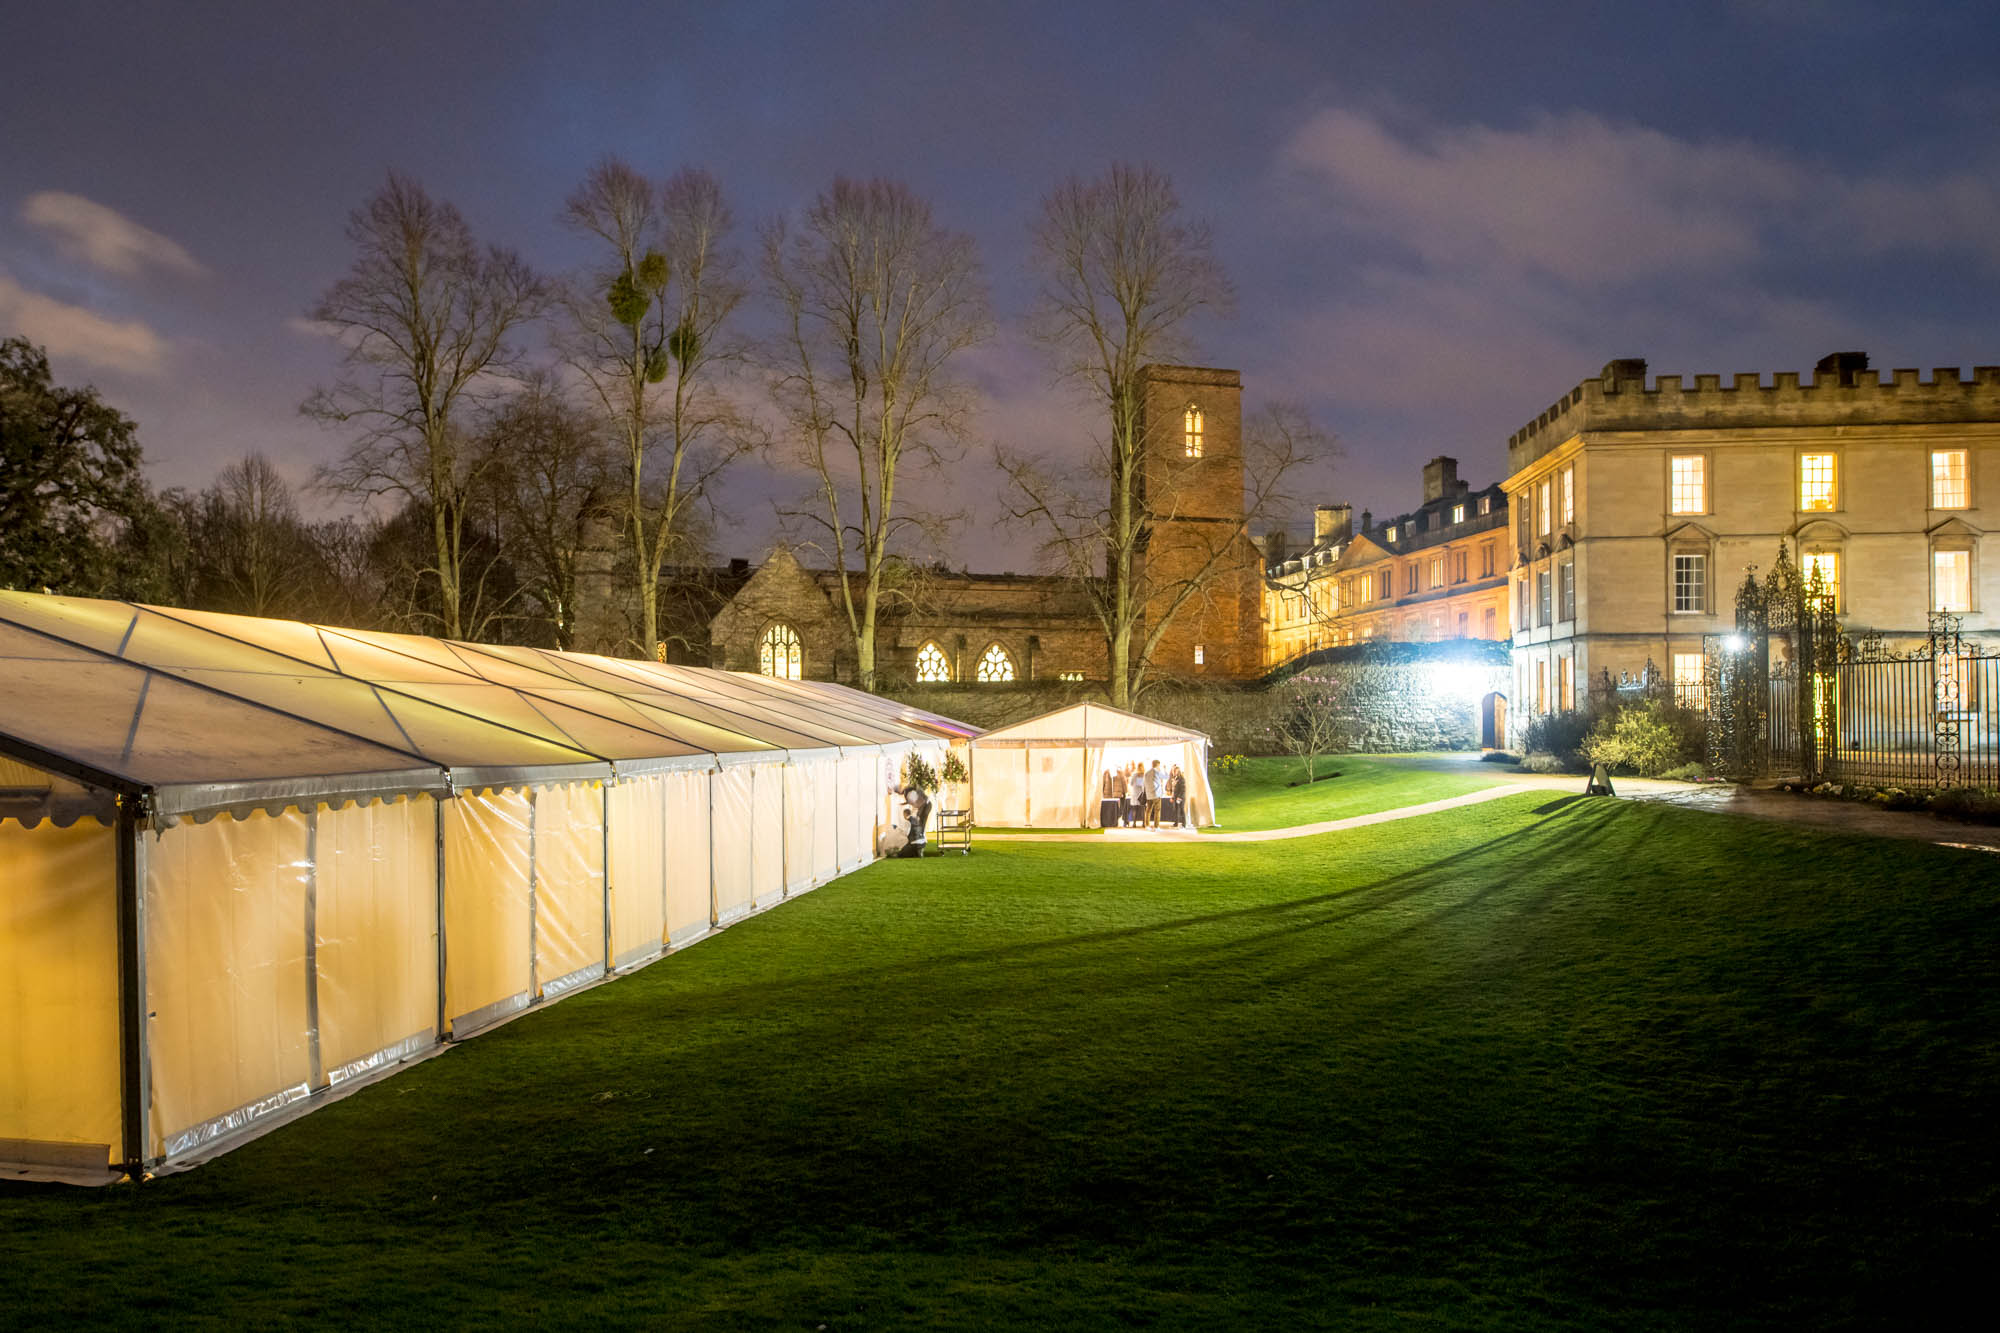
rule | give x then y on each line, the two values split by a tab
1493	721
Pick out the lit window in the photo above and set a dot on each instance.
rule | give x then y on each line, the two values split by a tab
1690	484
1458	513
1566	682
1951	580
1437	571
1368	632
996	667
1541	687
1948	479
1567	576
1542	596
932	664
1485	504
1815	481
1389	533
1069	675
1691	583
1542	507
1688	690
1197	654
1191	431
778	653
1826	564
1569	495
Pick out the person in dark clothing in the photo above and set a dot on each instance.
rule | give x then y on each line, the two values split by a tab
917	807
1178	785
1111	799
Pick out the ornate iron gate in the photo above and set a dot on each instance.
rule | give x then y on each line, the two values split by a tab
1773	702
1787	695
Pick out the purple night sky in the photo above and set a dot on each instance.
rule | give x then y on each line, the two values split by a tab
1437	217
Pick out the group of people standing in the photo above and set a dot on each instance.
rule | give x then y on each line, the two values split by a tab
1140	797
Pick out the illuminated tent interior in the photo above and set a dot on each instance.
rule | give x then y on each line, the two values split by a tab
244	862
1047	772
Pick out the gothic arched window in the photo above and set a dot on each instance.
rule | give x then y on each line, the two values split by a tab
778	653
932	665
996	666
1191	425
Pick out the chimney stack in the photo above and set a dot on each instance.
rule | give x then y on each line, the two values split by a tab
1843	366
1625	369
1440	478
1331	523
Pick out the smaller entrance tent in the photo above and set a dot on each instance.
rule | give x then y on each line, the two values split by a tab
1047	772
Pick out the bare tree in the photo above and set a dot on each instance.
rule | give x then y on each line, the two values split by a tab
259	539
1121	276
426	317
874	300
645	330
1311	720
558	489
1171	570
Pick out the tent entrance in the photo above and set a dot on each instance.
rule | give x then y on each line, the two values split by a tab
1120	759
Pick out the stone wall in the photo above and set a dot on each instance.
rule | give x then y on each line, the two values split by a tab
1395	697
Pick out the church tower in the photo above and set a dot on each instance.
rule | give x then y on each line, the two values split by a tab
1191	482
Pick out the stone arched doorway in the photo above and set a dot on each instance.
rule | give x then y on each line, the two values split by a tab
1493	721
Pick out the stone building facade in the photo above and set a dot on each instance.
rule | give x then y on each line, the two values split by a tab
1197	558
955	627
942	627
1638	506
1438	572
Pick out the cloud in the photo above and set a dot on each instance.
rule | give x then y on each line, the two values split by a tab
104	237
71	331
1573	197
1585	201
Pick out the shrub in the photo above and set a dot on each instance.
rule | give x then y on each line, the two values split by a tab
1685	773
1226	763
1546	763
1968	804
1646	738
1560	735
1499	757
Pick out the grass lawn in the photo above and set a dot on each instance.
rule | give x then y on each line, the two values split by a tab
1256	797
1540	1061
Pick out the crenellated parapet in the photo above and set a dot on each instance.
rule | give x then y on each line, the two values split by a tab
1841	392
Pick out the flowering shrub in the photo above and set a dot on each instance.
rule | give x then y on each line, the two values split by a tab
1226	763
918	774
954	767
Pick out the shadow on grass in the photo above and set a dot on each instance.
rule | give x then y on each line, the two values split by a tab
1606	1065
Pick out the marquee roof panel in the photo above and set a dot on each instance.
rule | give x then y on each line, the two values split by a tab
208	699
1092	723
97	717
